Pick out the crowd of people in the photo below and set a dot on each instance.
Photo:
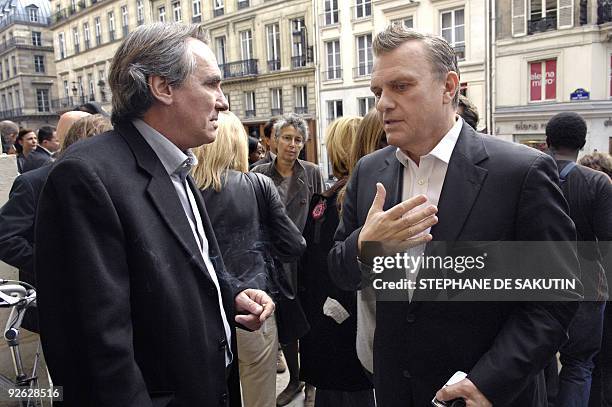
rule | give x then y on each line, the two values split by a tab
180	262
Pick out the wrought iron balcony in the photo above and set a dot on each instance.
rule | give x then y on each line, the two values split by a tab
250	113
111	35
542	24
11	113
243	4
274	65
140	22
218	12
23	18
98	39
247	67
460	52
362	70
276	111
22	41
330	18
332	74
196	19
300	61
301	109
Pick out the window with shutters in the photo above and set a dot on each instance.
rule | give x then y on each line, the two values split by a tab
452	29
519	20
546	15
543	80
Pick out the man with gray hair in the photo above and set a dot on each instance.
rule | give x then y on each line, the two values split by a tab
482	189
8	133
135	306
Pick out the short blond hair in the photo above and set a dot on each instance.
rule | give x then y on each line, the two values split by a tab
339	139
85	127
229	151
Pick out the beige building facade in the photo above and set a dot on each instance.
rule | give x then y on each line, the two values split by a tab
27	71
553	56
345	33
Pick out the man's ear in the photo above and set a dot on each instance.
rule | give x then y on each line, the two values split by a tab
160	89
451	86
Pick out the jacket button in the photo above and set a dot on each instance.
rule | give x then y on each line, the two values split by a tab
223	399
407	374
222	344
411	318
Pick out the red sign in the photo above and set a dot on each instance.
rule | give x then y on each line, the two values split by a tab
543	74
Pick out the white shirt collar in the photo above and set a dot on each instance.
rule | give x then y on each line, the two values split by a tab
444	149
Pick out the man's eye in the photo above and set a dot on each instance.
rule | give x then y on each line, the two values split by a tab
401	86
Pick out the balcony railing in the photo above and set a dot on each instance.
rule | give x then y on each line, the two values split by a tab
218	12
87	44
22	18
459	51
98	39
300	109
604	11
332	74
362	71
250	113
274	65
330	18
361	11
276	111
77	48
66	13
111	35
139	22
69	102
243	4
11	113
196	19
23	41
247	67
126	30
542	24
299	61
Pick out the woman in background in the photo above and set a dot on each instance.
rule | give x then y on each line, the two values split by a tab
328	357
25	143
247	242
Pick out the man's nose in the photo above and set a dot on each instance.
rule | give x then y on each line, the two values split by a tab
222	104
384	103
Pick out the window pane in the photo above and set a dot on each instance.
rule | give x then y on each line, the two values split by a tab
459	34
447	34
446	20
459	17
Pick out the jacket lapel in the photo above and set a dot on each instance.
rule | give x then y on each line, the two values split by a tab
297	183
163	194
462	184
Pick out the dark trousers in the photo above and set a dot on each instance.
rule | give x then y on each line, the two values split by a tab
601	388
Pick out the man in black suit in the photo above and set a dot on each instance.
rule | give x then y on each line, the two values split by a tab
48	144
135	306
589	195
484	189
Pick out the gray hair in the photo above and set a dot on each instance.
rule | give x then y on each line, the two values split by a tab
441	55
153	49
294	120
7	128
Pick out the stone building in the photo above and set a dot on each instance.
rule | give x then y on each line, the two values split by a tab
27	71
553	56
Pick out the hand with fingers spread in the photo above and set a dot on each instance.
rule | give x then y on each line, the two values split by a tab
466	390
253	307
392	225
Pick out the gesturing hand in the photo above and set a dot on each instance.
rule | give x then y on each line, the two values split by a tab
257	305
392	225
466	390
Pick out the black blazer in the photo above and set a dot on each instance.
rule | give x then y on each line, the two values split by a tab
36	159
17	230
493	190
129	315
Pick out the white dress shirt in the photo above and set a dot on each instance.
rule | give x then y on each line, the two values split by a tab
427	178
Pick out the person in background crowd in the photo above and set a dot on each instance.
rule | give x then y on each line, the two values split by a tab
589	194
269	143
19	212
8	135
67	120
247	243
92	108
296	181
418	345
25	143
328	357
598	161
369	138
126	259
48	144
256	150
468	111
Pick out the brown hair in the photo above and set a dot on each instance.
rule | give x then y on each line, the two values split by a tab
598	161
86	127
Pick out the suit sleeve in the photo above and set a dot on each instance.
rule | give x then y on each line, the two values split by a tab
287	241
534	331
17	225
602	224
84	291
318	181
342	261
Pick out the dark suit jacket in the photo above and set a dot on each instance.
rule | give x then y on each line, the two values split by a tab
36	159
17	230
129	315
493	191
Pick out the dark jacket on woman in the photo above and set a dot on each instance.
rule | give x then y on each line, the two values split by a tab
328	357
235	219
